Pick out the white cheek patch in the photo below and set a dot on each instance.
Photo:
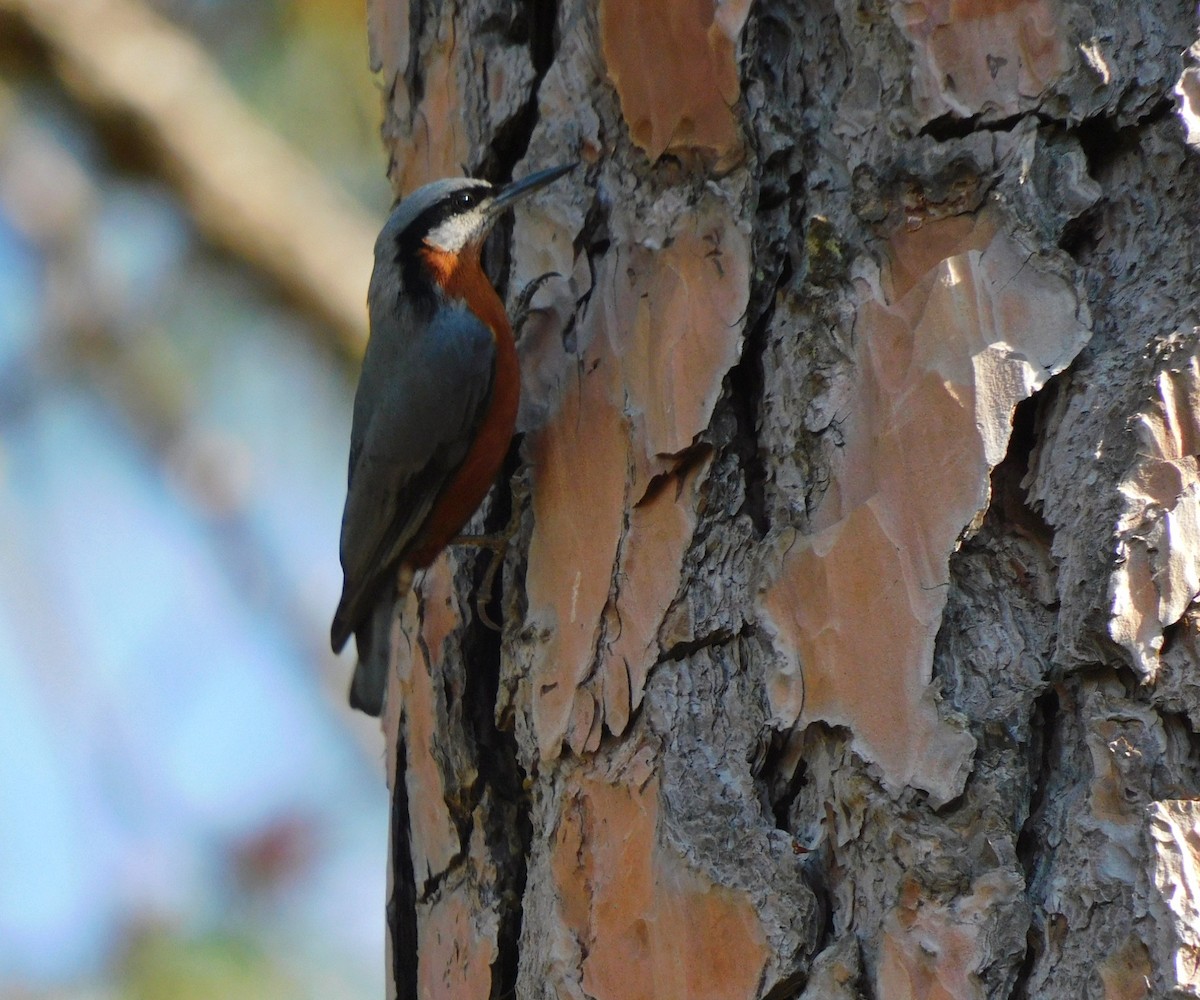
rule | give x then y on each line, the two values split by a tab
455	233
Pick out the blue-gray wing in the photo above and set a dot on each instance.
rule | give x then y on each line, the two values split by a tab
420	399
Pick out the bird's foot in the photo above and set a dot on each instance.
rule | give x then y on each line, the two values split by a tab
521	307
498	546
497	543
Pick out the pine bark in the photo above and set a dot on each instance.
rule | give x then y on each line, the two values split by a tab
849	646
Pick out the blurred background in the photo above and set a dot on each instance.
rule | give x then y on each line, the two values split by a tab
188	194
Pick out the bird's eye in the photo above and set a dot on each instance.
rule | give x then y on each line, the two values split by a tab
464	199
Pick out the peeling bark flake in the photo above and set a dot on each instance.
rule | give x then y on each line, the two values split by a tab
950	337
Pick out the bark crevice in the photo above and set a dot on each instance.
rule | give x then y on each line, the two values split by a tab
1104	139
499	800
951	126
499	795
746	381
536	25
782	775
402	905
1030	845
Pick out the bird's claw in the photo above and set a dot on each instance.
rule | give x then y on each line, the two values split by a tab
497	543
521	305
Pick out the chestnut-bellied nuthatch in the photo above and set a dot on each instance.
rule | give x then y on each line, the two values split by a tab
435	408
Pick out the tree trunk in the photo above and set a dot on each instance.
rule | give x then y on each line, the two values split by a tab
848	642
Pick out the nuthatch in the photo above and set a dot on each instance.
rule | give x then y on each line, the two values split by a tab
435	408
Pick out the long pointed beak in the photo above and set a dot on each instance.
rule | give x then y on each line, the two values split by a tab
517	190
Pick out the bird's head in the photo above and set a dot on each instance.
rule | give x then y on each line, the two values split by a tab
456	213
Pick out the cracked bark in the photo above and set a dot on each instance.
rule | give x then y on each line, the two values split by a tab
848	640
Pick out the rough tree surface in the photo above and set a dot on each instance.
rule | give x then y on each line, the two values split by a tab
849	646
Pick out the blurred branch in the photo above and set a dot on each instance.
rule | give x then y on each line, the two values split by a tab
53	201
247	189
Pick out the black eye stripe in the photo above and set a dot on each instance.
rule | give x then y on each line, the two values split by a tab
451	205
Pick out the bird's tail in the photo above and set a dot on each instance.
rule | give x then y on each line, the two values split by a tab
368	688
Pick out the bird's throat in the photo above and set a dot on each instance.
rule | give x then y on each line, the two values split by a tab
460	276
